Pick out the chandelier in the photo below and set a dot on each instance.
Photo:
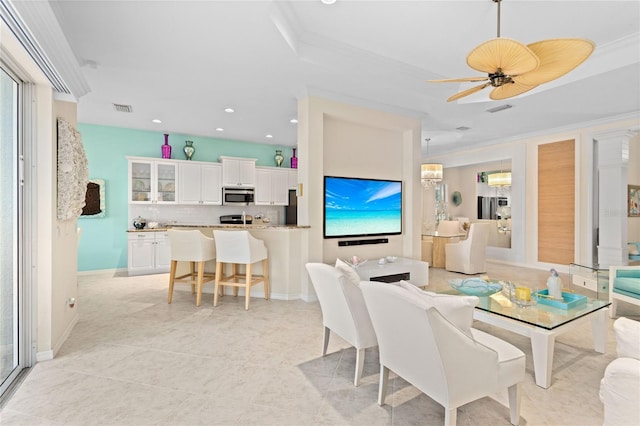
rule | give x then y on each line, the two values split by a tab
430	173
499	179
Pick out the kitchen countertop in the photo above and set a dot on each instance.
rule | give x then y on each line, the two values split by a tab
220	226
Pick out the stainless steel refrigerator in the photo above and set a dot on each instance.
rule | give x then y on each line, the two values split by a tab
291	211
488	206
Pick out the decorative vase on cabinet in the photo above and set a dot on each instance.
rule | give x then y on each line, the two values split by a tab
279	158
166	148
188	149
294	160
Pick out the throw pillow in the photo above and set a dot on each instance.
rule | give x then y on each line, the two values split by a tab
348	273
456	309
633	249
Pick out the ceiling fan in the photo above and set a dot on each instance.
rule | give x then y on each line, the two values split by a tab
514	68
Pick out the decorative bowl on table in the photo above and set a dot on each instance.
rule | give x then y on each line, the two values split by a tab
354	262
475	286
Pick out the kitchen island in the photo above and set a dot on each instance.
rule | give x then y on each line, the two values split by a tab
286	245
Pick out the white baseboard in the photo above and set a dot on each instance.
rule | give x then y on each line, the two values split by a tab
44	356
66	333
110	272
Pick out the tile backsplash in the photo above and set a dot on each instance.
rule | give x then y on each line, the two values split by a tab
199	215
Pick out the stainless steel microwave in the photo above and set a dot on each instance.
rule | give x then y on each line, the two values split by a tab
238	196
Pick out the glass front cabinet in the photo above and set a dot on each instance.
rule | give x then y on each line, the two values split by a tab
152	181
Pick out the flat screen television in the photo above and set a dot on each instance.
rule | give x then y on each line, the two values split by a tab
355	207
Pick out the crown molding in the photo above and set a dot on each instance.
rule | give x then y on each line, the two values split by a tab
37	28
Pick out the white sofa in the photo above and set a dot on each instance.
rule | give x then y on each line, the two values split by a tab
620	386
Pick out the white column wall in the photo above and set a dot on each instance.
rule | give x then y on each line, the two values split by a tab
376	136
613	161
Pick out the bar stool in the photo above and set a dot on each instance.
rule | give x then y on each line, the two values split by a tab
240	248
194	247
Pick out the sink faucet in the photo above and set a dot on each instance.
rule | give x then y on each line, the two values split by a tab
244	218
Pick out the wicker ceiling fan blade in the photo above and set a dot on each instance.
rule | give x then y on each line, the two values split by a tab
468	92
510	90
557	58
459	80
509	56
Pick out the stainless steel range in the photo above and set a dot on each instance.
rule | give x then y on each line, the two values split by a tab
236	219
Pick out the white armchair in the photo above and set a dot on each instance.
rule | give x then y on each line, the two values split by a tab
436	356
343	311
468	256
620	386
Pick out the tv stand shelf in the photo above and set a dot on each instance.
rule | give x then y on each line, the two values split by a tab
414	271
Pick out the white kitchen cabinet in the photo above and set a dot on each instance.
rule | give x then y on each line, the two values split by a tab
152	181
148	253
238	172
293	178
272	186
200	183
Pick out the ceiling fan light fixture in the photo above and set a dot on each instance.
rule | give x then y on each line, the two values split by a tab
509	90
509	56
557	57
514	68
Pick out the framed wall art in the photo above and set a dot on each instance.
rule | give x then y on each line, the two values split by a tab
94	199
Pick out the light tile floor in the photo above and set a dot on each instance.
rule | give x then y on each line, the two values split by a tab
134	359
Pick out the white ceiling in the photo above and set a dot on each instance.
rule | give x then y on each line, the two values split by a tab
185	61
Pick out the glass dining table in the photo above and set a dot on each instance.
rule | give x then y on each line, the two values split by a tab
440	240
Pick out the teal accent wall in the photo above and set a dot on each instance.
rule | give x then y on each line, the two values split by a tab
103	244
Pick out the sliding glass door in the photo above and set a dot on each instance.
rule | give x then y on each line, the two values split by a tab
11	343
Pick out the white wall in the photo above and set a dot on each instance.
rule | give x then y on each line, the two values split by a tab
340	139
50	246
633	223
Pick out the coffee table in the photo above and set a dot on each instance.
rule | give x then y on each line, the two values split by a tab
542	324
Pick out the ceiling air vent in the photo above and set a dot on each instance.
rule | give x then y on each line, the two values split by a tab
122	108
499	108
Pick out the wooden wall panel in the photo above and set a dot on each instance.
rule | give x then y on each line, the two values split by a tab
556	206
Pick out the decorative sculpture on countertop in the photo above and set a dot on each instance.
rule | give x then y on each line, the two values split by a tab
554	284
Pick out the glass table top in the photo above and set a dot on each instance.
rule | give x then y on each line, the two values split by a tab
537	314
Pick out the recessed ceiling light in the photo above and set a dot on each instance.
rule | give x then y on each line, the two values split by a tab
328	1
268	136
293	121
463	128
155	120
219	129
229	110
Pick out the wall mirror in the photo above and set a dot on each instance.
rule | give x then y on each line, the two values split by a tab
493	194
466	192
